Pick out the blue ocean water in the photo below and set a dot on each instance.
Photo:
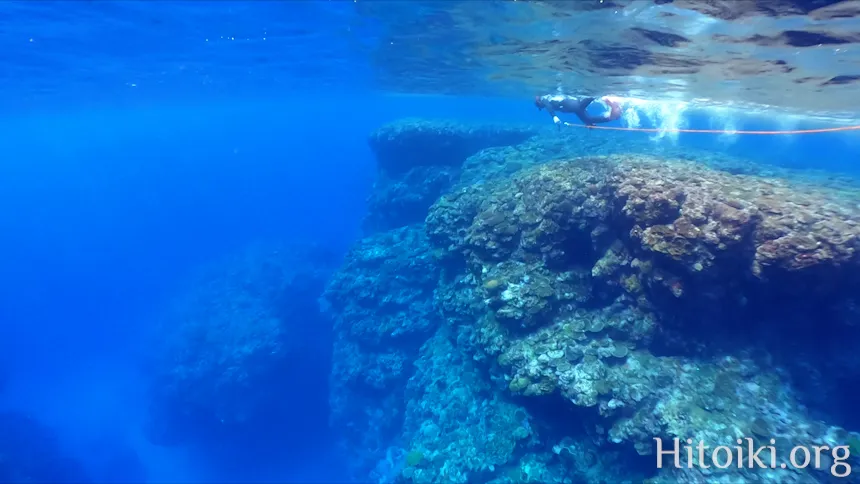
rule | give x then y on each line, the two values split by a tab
234	250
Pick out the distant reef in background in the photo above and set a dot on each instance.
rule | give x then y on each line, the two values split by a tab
538	306
239	361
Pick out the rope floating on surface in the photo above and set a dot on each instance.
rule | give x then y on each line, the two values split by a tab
720	131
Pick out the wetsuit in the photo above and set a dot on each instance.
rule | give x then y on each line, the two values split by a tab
577	106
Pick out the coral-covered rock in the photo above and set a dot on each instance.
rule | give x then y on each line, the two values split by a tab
381	300
453	430
651	235
418	160
696	215
608	299
407	143
396	201
685	226
382	294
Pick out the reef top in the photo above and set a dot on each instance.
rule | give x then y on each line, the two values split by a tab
407	143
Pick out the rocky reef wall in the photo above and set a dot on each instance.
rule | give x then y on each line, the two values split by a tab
418	160
381	300
578	299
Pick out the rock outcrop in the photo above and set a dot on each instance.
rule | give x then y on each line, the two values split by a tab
579	302
418	160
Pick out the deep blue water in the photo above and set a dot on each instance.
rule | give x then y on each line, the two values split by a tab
113	195
112	209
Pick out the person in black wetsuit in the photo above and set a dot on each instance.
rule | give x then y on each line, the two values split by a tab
561	103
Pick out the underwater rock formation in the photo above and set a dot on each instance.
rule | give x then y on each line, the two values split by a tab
588	304
381	301
687	233
586	264
455	426
417	160
237	345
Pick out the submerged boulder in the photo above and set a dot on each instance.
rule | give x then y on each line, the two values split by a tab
591	268
586	300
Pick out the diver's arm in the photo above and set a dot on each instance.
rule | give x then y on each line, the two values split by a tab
552	114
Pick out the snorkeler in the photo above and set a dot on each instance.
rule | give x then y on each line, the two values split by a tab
577	105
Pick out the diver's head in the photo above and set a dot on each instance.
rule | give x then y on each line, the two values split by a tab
539	102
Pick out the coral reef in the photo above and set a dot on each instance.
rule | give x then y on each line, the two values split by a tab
418	160
404	144
587	300
654	233
381	301
680	226
229	346
455	427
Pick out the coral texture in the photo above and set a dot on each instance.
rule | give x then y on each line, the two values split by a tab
586	300
418	160
382	305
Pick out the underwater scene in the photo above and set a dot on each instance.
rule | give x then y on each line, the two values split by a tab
443	241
